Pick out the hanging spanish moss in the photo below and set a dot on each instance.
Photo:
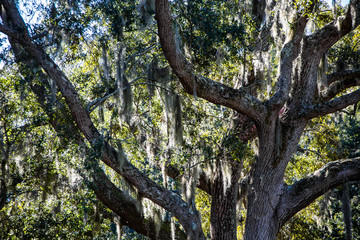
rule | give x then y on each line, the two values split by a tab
105	63
150	80
226	172
156	75
173	229
174	119
120	154
164	175
322	79
74	177
154	212
151	146
146	9
125	94
118	226
189	180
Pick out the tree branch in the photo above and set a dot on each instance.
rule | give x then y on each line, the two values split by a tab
95	103
348	74
129	209
302	193
200	86
289	52
116	160
119	202
9	32
326	37
203	182
339	82
309	112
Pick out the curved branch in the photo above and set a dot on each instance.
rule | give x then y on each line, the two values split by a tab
309	112
339	82
302	193
200	86
112	197
116	160
326	37
129	209
343	75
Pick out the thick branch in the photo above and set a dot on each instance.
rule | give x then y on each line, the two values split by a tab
332	106
200	86
302	193
129	209
343	75
116	160
326	37
119	202
289	52
340	81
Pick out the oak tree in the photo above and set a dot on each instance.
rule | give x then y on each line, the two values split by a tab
276	75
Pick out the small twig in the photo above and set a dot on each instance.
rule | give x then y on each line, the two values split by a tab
139	53
94	104
302	150
165	89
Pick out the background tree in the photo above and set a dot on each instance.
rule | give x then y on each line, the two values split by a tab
110	81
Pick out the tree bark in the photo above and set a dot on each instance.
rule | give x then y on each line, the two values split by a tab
277	142
261	221
305	191
346	209
224	192
263	197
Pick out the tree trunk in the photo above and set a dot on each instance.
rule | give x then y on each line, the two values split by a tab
261	221
277	143
346	209
224	198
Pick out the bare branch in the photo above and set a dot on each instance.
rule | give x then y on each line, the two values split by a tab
302	193
348	74
200	86
309	112
339	82
94	104
326	37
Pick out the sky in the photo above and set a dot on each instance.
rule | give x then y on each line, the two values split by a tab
342	2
